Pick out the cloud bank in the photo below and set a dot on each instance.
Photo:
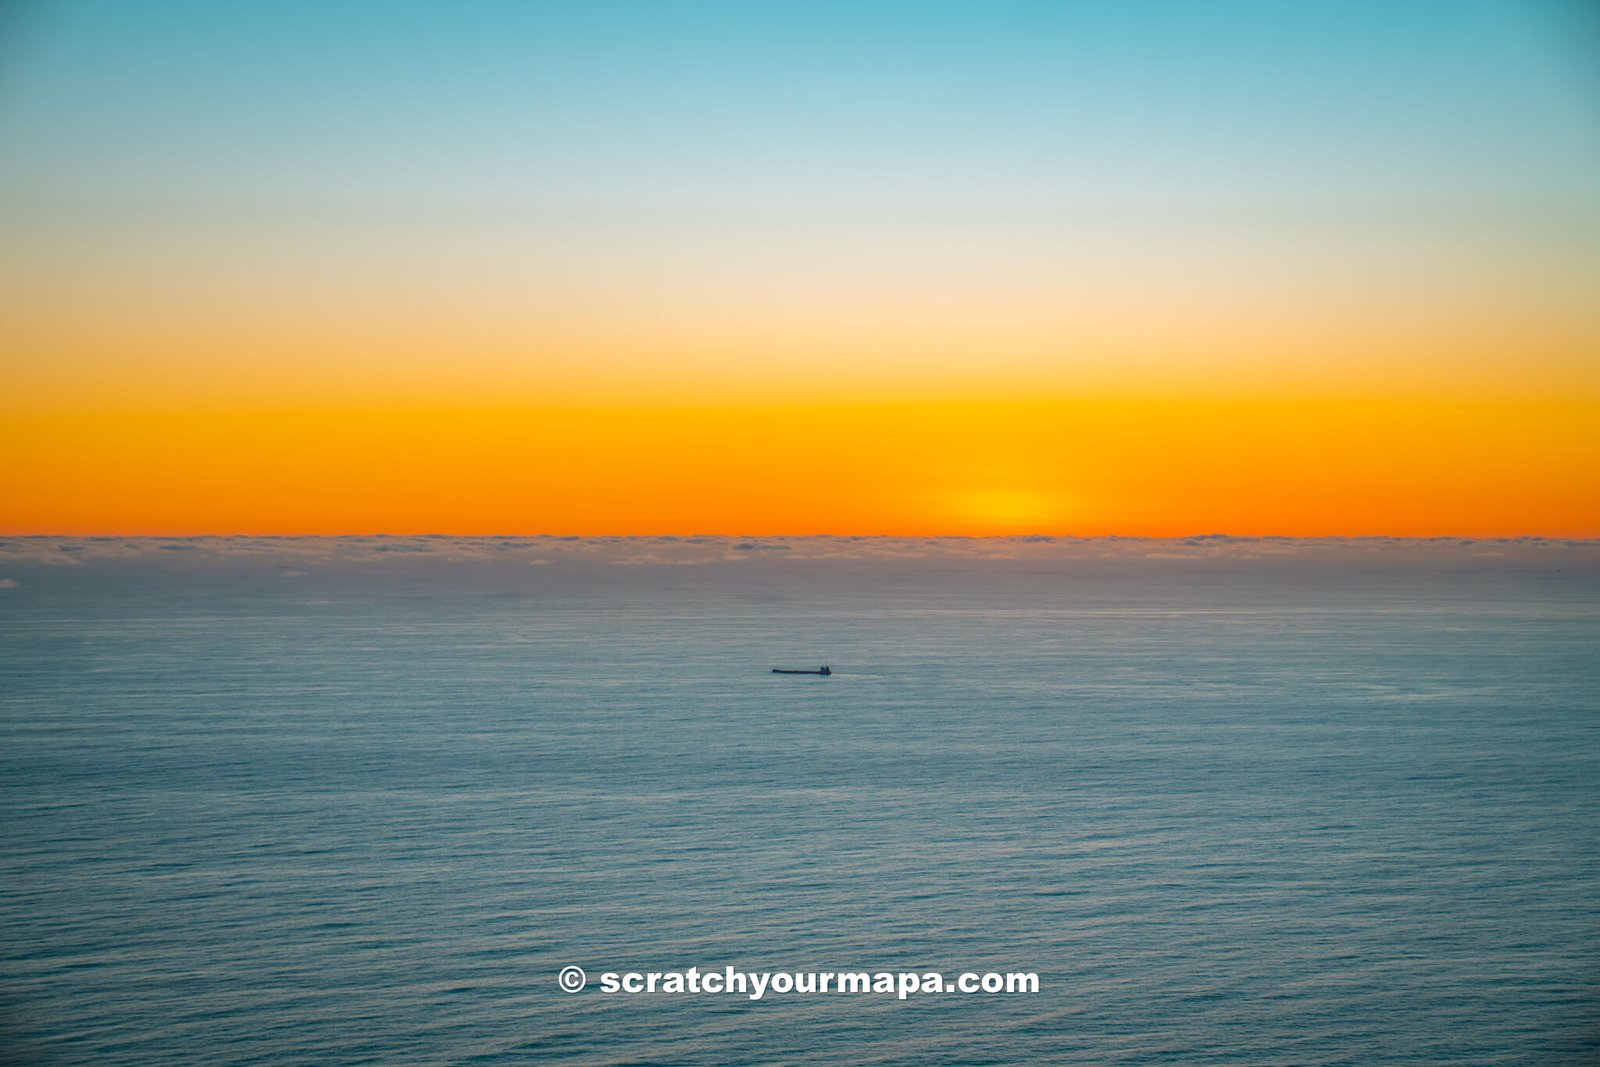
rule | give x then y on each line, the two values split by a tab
296	555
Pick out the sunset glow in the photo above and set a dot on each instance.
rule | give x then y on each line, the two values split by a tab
1154	468
888	269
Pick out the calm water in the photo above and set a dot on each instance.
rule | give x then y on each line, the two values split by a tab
1229	811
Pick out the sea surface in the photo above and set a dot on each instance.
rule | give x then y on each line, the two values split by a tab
1234	803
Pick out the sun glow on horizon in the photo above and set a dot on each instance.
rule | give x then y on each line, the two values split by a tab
1419	467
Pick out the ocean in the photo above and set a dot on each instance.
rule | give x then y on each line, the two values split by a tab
1232	801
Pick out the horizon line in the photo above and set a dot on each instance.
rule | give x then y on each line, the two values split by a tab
1033	536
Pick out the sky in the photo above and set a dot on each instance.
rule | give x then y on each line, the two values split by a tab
853	268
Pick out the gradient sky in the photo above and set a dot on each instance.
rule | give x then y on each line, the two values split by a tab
954	268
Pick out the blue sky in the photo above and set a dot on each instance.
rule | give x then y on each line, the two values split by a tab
802	107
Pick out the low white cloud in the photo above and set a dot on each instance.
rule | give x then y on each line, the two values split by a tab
303	556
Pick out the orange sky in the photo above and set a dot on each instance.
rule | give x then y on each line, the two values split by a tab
1128	466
